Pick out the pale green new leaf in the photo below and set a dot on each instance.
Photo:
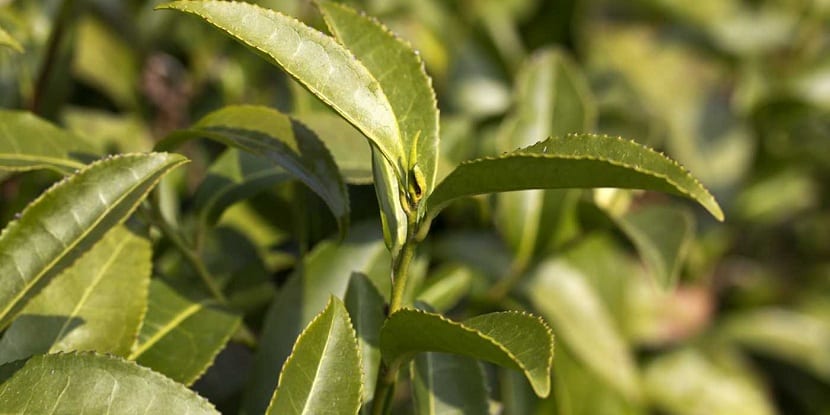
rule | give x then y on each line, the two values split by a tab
29	143
7	40
401	74
564	297
323	272
180	337
510	339
448	384
68	219
662	235
75	383
280	139
97	304
552	100
317	61
366	308
574	161
322	374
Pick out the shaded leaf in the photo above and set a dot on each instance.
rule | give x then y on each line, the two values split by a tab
322	374
444	384
563	296
317	61
575	161
348	146
662	235
68	219
446	287
280	139
102	59
510	339
181	337
323	272
366	307
392	217
7	40
97	304
75	383
400	72
28	143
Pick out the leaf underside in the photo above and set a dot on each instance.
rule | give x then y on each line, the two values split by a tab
574	161
510	339
68	219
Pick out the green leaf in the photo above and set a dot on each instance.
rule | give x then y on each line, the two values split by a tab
234	176
75	383
28	143
280	139
393	218
317	61
552	100
103	60
322	375
446	287
7	40
68	219
510	339
575	161
563	296
96	304
181	337
401	74
323	272
366	308
348	146
662	235
444	384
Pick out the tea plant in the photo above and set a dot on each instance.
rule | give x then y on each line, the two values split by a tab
90	324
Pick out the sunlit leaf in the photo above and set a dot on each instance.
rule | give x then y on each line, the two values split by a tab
575	161
510	339
97	304
181	337
28	143
7	40
74	383
322	374
68	219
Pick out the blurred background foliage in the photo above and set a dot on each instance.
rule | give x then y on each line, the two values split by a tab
656	307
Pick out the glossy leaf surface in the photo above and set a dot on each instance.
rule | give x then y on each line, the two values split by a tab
75	383
322	374
514	340
575	161
181	337
97	304
28	143
444	384
280	139
317	61
68	219
564	297
400	72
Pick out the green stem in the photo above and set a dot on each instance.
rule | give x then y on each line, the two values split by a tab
53	47
400	275
385	389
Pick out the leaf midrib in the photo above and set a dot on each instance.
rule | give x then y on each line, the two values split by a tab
166	329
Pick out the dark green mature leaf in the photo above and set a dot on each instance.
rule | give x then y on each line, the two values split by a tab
322	375
564	297
366	308
28	143
234	176
7	40
579	160
444	384
282	140
324	271
348	146
68	219
75	383
510	339
401	74
317	61
662	235
97	304
552	100
181	337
